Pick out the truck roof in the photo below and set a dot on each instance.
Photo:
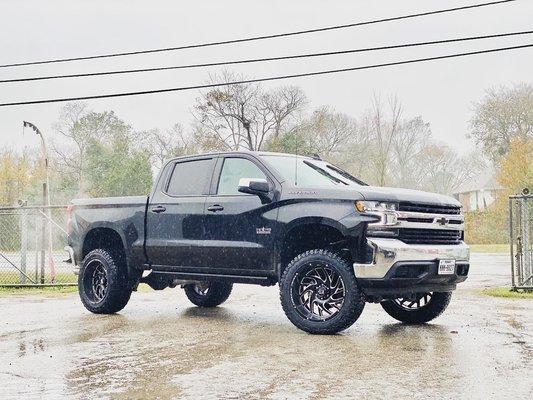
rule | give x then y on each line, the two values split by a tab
257	153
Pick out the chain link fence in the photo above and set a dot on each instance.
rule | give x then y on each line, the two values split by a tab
32	241
521	215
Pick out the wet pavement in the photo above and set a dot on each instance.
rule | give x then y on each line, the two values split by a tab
160	346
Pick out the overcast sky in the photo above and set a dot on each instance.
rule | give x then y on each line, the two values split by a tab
441	92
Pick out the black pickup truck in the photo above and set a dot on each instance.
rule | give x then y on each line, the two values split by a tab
330	241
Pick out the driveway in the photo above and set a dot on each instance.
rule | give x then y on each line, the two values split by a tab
160	346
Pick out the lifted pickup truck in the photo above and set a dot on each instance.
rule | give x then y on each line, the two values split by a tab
330	241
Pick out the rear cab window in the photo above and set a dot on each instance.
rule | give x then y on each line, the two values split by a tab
190	178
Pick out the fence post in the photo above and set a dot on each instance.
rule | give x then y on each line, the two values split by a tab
37	247
43	245
519	242
511	239
23	245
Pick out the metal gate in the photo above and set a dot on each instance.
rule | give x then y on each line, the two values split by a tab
32	241
521	214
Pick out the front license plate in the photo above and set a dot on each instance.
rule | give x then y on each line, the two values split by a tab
446	267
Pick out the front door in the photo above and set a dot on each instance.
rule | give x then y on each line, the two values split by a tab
238	227
175	215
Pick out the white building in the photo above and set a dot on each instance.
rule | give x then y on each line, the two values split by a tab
478	193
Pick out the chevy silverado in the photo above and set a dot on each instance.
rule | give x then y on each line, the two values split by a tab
330	241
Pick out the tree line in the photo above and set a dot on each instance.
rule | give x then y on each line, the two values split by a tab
96	153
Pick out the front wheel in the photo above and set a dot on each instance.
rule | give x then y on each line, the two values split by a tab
418	308
208	294
319	293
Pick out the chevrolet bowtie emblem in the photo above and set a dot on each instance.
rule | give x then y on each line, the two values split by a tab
442	221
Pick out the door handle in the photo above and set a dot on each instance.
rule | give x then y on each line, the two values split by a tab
158	209
215	208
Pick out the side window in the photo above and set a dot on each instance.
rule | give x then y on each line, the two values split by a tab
233	170
190	178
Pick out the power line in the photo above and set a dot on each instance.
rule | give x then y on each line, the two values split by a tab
253	38
255	60
273	78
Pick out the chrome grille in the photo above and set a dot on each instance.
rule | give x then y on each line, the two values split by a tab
428	208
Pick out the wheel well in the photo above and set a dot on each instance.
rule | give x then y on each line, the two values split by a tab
308	237
104	238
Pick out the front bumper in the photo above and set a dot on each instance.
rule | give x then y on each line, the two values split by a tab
400	268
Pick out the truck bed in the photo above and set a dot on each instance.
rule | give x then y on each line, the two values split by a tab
124	215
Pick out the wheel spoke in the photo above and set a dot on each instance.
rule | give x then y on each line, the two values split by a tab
96	284
306	292
325	272
308	280
415	302
201	289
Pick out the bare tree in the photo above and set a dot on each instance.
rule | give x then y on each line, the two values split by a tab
408	148
281	109
71	152
445	170
328	133
325	132
331	131
503	114
382	126
241	116
163	145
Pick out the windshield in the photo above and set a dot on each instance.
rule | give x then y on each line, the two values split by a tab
306	172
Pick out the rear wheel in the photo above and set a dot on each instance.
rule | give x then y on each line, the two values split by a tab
319	293
102	282
208	294
418	308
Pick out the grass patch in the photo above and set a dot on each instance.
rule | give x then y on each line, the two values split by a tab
53	290
507	293
48	291
13	277
489	248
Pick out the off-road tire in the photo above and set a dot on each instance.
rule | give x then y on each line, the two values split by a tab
436	306
353	303
118	290
217	294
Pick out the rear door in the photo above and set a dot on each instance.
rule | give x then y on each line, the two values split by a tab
238	227
175	213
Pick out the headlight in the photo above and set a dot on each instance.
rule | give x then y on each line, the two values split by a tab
386	211
365	206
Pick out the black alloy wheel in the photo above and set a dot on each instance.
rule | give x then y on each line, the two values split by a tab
319	292
208	294
417	308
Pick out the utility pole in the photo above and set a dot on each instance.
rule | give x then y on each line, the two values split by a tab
46	202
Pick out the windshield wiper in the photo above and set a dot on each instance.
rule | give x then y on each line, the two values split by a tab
325	173
346	175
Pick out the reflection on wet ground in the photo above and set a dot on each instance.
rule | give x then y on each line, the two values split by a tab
161	347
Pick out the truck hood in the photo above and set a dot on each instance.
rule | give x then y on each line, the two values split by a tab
373	193
398	194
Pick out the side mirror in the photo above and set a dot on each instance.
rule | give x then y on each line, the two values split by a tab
256	186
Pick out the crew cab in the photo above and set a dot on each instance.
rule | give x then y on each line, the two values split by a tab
331	242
